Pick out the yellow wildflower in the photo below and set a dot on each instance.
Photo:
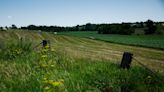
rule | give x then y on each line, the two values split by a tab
44	65
46	88
46	47
44	56
56	83
44	78
52	65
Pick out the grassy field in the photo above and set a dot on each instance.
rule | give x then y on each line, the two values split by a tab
152	41
74	64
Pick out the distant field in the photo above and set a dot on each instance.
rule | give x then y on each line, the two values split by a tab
152	41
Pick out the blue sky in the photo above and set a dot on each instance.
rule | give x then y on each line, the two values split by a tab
73	12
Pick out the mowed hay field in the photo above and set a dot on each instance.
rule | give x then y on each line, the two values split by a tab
75	65
111	51
151	41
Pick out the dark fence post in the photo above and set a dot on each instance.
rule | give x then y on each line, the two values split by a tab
44	43
126	60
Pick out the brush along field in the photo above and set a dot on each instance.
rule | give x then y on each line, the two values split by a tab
73	64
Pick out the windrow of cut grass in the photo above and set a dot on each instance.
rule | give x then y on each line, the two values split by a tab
151	41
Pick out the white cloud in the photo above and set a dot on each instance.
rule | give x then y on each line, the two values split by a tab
9	17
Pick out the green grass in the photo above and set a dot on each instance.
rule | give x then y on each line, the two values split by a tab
79	75
82	63
152	41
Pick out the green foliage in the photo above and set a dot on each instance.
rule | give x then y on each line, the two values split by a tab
14	50
160	29
13	26
1	28
107	77
18	75
151	28
55	70
123	29
27	74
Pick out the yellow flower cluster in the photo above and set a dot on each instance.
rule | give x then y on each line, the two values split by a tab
44	56
54	85
44	60
47	47
46	65
53	82
43	65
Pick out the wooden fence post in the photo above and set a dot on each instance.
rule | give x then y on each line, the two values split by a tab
44	43
126	60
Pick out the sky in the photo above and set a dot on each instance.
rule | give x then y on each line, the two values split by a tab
78	12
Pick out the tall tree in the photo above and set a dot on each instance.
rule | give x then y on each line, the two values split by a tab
6	28
1	28
150	27
13	26
77	28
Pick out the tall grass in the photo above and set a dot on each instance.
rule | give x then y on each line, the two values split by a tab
43	71
14	49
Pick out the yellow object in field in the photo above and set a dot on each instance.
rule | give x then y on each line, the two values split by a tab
44	56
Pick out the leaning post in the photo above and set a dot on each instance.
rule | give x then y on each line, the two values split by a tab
126	60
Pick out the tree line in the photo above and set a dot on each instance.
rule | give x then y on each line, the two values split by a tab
149	27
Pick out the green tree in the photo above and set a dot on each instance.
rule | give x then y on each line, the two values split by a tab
150	27
13	26
77	28
33	27
1	28
6	28
88	27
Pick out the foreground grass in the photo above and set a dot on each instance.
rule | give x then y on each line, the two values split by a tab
153	41
74	65
47	70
